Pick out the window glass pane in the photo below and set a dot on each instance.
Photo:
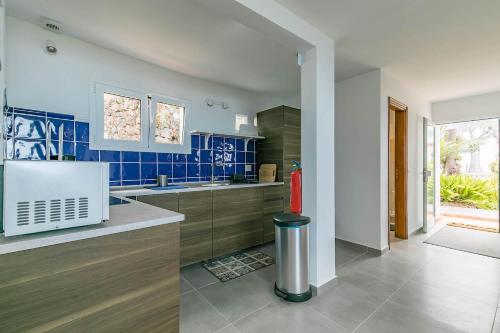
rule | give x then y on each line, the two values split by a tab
240	119
169	123
122	118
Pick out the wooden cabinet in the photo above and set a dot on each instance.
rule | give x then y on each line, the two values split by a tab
169	201
196	229
125	282
237	219
273	204
281	127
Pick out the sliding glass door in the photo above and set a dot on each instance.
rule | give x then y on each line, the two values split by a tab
429	203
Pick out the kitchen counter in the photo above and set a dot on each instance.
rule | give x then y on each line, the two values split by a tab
126	217
190	188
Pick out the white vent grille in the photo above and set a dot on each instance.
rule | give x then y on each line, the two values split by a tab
40	210
83	208
69	209
55	210
23	213
52	25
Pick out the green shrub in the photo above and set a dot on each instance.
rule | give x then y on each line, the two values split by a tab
469	191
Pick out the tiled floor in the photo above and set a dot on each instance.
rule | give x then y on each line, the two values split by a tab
415	287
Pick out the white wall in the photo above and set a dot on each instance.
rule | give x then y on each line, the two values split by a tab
361	154
60	83
418	108
357	159
2	73
467	108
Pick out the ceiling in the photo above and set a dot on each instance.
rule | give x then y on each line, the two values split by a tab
441	48
182	35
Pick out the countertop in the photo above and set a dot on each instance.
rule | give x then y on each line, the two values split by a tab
126	217
190	188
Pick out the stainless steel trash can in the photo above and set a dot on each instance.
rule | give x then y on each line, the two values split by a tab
292	257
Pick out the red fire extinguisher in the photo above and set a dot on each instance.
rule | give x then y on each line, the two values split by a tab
296	188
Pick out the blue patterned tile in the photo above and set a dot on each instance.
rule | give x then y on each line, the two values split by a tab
147	157
229	169
68	129
84	153
29	127
60	116
252	170
179	158
149	171
81	131
193	179
193	170
250	157
179	170
114	171
164	158
110	156
9	148
205	156
195	141
218	157
29	150
131	182
149	181
8	122
130	156
68	148
194	157
240	144
240	169
117	183
205	170
30	112
229	144
217	143
165	169
240	157
179	180
229	157
219	170
131	171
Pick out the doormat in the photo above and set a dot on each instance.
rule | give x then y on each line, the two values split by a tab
473	227
238	264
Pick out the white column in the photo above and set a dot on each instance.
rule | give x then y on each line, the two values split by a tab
317	151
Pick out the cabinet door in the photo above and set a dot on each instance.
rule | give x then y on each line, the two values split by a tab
273	204
196	229
169	201
237	222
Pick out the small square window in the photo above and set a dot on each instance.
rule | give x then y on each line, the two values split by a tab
240	119
169	123
122	118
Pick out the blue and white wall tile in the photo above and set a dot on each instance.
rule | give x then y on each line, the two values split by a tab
25	139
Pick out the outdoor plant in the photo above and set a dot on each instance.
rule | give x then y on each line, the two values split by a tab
469	191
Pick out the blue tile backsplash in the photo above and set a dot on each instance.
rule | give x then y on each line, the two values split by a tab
25	139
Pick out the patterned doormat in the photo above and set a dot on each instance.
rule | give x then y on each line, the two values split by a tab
238	264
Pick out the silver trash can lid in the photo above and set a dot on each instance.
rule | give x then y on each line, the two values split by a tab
287	220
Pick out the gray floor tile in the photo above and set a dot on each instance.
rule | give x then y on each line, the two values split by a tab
269	249
447	305
287	318
185	285
198	276
392	317
268	274
239	297
345	252
345	304
198	316
229	329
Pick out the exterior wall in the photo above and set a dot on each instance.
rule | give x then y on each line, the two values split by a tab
476	107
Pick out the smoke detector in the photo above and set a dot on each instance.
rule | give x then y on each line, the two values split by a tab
52	25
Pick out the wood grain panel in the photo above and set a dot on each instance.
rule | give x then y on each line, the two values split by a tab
237	222
81	289
273	204
196	229
169	201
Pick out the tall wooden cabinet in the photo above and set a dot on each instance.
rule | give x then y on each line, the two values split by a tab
281	128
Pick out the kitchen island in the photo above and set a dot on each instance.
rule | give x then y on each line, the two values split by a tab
118	276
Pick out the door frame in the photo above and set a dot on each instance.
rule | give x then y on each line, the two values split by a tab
401	160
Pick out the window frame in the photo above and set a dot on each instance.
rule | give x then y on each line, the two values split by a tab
148	127
185	145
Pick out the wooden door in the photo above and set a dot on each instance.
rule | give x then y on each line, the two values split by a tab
401	172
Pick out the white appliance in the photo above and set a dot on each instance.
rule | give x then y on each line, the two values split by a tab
48	195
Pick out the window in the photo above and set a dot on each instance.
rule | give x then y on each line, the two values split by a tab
129	120
240	119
